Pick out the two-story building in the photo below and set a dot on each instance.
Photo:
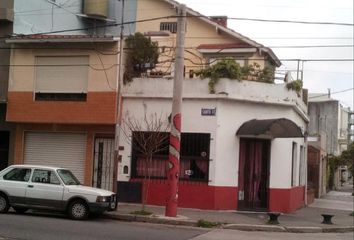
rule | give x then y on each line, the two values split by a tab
62	97
243	146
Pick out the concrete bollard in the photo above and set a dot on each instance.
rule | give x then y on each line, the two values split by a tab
273	217
327	218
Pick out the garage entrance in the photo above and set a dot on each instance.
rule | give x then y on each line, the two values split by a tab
67	150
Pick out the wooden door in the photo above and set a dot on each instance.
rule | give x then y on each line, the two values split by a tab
253	175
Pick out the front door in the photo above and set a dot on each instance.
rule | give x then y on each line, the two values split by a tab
104	167
253	175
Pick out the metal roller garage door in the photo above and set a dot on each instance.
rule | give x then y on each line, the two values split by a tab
66	150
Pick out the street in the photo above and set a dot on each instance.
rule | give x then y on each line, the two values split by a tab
45	226
37	227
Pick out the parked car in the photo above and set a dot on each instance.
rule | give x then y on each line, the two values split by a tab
24	187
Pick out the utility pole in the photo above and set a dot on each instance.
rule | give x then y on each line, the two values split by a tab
175	135
119	97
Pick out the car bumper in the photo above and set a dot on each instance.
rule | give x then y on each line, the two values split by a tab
99	207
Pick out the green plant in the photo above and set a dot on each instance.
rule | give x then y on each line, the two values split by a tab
229	68
142	54
142	212
226	68
333	162
206	224
295	85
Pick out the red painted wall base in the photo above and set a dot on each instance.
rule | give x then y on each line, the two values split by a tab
194	195
286	200
202	196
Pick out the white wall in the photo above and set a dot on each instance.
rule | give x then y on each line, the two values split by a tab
232	110
192	121
231	115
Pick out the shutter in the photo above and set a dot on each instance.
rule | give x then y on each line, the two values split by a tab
65	150
61	74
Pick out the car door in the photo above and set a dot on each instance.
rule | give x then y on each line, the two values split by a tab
14	183
45	190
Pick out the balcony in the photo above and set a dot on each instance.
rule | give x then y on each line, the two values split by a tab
247	91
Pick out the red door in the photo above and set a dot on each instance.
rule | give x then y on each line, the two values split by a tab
253	175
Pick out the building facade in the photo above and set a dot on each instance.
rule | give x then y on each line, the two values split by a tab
244	146
7	132
330	120
235	167
62	97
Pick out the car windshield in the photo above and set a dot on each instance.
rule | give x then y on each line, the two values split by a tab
67	177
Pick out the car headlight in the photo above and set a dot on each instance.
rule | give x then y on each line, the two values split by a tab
102	199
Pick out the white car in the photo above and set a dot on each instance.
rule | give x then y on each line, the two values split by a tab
24	187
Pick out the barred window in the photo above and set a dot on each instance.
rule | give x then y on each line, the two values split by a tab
169	26
194	162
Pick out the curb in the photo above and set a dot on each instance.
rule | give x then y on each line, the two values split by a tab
304	229
260	228
338	229
151	219
240	227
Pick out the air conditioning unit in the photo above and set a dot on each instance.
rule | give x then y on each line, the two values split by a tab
7	10
96	8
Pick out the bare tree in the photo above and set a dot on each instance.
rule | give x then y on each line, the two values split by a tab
148	137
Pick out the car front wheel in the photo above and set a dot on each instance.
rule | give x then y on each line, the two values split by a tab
78	210
4	204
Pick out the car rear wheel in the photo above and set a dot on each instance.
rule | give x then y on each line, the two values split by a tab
20	209
78	210
4	204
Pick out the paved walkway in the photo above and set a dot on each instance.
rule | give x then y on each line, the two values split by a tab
307	219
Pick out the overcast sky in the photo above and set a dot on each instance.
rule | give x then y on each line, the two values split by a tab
318	76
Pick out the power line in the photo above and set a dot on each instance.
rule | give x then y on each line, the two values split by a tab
195	48
305	60
291	21
197	16
93	27
323	95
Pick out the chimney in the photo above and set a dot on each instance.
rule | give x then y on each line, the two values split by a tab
221	20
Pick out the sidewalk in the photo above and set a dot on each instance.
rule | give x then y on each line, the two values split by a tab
308	219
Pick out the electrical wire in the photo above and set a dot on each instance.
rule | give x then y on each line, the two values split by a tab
197	16
323	95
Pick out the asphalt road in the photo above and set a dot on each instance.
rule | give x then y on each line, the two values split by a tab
37	227
223	234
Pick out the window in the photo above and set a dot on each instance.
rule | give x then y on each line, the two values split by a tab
294	164
61	78
194	162
68	177
45	176
169	26
18	174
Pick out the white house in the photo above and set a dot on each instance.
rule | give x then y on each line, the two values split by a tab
242	148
